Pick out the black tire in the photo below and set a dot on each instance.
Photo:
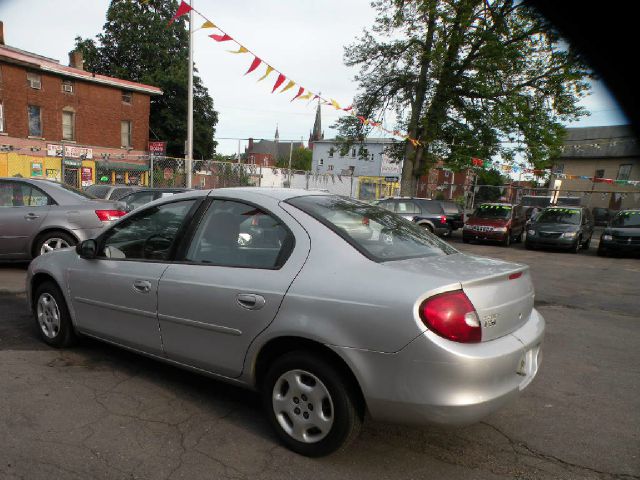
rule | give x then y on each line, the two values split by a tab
465	240
346	411
507	240
602	252
426	226
576	248
64	334
48	236
528	245
587	244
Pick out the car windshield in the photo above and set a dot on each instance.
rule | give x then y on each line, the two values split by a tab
627	219
377	233
492	211
569	216
98	191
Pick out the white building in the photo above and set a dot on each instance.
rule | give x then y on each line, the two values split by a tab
369	158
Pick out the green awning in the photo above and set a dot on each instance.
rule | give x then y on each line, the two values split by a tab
138	167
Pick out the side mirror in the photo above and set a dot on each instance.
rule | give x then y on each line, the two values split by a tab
87	249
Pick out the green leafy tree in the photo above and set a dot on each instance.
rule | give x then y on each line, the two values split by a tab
300	160
479	78
137	45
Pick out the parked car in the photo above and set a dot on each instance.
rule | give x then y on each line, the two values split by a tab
495	222
429	214
561	227
38	216
142	196
622	235
110	192
454	213
324	324
602	216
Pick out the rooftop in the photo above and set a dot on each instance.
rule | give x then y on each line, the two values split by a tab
50	65
600	142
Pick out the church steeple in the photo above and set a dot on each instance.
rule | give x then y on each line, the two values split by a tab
277	136
317	133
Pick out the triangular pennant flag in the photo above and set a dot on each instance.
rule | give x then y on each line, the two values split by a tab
307	96
300	92
240	50
255	64
208	24
183	9
288	86
221	38
335	104
362	119
349	108
279	81
267	73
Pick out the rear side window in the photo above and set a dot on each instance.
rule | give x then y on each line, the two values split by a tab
98	191
431	207
118	193
377	233
235	234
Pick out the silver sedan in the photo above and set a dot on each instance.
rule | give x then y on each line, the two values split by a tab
328	307
38	216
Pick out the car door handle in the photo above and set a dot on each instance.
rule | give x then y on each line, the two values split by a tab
250	301
142	286
31	216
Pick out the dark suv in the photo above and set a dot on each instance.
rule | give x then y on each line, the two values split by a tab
427	213
454	213
561	227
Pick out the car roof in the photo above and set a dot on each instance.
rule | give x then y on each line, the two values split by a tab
277	193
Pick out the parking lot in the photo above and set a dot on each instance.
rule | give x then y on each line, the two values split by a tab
99	412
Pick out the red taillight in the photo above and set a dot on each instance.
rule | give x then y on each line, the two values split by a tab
109	215
451	315
513	276
365	221
443	219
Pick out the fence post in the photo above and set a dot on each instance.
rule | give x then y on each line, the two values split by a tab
151	169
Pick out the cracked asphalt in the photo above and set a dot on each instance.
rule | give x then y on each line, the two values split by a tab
97	412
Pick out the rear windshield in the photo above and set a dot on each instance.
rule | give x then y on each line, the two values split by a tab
629	219
493	211
98	191
74	190
569	216
377	233
452	208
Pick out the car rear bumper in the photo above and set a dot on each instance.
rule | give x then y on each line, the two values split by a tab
434	380
484	236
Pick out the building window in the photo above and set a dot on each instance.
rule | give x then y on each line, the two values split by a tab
330	167
1	118
331	151
321	162
600	173
624	172
558	168
35	121
34	81
353	152
68	125
125	133
67	86
126	97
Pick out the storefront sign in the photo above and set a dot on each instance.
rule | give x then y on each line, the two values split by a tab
86	175
53	174
71	162
54	150
36	169
157	148
390	167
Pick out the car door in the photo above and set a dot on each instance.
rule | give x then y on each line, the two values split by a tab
229	285
23	208
114	296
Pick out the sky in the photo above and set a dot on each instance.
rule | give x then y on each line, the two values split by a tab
303	39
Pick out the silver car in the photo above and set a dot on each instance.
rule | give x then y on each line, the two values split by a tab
38	216
276	290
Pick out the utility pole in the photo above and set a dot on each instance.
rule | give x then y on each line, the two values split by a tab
189	152
290	154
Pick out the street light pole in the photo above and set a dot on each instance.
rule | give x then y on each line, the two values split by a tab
290	154
189	152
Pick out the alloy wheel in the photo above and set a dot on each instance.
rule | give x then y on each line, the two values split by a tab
53	243
48	315
303	406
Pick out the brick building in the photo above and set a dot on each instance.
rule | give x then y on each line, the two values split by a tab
64	123
266	152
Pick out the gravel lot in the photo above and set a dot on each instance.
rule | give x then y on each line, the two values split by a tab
99	412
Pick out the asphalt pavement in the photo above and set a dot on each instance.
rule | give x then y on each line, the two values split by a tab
98	412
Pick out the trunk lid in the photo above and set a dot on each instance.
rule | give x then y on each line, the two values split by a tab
501	292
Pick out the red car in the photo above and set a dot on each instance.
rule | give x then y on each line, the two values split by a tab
498	222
